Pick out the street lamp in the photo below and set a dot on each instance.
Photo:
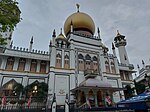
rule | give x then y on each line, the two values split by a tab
147	80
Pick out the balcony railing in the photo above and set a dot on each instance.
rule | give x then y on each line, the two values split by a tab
90	73
131	66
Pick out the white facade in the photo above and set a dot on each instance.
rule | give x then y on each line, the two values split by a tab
65	62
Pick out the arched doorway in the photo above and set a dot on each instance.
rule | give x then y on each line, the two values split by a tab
100	99
83	99
91	98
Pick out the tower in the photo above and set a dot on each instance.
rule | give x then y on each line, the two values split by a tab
120	43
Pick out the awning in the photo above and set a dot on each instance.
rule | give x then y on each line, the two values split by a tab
140	101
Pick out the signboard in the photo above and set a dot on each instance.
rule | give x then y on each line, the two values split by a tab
61	88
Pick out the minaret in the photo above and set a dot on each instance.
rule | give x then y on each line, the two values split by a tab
11	44
113	49
99	35
31	44
138	68
120	43
53	38
143	63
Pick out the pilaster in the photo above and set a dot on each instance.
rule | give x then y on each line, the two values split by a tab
28	64
25	81
63	58
38	65
16	63
4	62
51	83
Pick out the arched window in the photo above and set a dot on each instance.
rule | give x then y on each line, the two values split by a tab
43	67
88	64
58	61
81	62
33	65
107	67
95	64
66	61
80	56
113	67
87	57
10	63
21	65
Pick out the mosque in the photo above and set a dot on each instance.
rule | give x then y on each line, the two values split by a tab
77	65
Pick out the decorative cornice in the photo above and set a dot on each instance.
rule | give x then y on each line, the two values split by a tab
23	71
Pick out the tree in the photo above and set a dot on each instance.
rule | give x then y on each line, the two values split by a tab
128	92
140	88
9	15
42	90
19	89
3	41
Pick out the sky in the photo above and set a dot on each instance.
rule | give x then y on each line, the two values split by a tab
130	17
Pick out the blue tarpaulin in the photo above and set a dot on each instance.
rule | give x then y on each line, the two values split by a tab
138	102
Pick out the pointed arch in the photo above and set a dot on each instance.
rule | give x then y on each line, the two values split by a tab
43	66
10	63
107	66
88	64
95	64
66	61
21	65
113	69
58	60
88	57
33	66
80	62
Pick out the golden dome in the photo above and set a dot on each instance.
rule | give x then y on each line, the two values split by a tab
80	21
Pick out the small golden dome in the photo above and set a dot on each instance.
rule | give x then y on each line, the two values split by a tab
61	36
79	20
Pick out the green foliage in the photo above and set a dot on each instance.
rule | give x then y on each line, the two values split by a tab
41	93
140	88
129	91
9	15
3	41
18	88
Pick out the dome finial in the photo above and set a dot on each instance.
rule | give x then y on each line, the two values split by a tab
118	34
78	6
61	31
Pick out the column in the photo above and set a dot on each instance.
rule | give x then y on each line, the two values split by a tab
116	65
25	81
101	64
1	77
47	66
27	65
16	63
51	83
4	62
38	65
62	58
95	95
